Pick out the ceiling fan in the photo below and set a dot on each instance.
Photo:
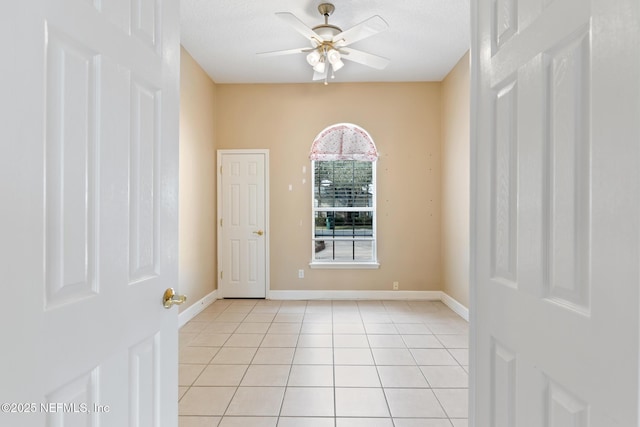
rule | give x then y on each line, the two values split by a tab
329	43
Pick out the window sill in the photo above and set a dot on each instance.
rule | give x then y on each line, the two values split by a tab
345	265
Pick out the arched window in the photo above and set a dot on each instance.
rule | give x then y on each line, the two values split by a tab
343	163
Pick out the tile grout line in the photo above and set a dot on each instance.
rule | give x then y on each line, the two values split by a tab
220	348
375	364
238	386
286	387
333	368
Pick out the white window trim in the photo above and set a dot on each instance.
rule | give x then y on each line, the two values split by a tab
355	265
341	265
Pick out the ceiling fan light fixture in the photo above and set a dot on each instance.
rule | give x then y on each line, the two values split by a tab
333	56
313	58
319	67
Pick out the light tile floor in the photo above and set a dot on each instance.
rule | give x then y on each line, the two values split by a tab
263	363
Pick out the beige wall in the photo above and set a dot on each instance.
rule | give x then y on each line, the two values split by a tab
197	181
404	120
422	133
455	182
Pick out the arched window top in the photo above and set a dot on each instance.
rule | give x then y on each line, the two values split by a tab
344	141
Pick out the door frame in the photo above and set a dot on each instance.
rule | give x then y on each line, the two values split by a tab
219	154
474	75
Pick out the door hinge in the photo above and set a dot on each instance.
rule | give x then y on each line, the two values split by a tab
220	170
220	222
221	275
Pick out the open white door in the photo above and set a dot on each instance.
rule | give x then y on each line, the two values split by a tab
243	221
556	213
88	172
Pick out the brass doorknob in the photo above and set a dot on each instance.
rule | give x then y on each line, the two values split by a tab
170	298
259	232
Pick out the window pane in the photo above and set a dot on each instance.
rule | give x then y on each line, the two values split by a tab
344	224
344	210
343	183
344	250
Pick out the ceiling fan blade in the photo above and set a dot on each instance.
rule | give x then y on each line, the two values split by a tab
286	52
364	58
299	26
365	29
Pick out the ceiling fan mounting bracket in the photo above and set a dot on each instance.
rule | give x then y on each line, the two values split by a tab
326	9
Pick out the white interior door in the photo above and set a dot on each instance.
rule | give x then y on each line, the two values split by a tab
555	204
88	179
243	223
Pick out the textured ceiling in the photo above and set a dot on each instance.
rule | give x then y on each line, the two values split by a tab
424	41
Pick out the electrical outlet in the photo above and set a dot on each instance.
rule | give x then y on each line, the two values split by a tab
300	274
396	286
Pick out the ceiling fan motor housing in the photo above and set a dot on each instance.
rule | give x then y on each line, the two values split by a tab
327	32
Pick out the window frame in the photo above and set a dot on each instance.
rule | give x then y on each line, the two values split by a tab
342	264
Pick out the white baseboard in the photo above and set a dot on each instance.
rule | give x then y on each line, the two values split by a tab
450	302
454	305
196	308
355	295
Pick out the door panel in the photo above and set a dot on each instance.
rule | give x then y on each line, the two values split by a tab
243	223
555	212
71	194
89	178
